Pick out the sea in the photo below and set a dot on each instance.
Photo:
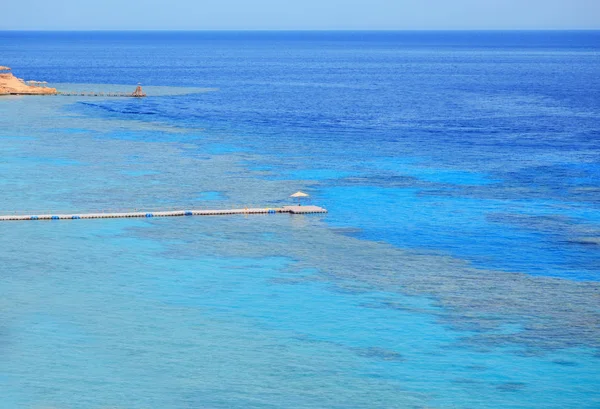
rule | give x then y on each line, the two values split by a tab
458	265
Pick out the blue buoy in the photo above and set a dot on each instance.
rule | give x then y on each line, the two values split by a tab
55	217
149	215
75	217
34	217
189	214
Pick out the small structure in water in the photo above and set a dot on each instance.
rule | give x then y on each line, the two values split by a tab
138	93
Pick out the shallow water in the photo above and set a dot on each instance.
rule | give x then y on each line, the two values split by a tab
457	266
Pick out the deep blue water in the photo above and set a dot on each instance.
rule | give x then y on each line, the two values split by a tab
457	266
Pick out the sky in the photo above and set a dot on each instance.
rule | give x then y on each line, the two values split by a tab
299	14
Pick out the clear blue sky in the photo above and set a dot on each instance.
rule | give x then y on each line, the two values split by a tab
298	14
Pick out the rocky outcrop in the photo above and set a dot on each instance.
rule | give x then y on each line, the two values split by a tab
11	85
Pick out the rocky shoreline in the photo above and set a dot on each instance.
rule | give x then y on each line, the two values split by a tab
11	85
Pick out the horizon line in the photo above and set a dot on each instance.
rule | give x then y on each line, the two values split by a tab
305	30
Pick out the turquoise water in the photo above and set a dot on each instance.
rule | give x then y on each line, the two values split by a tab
456	267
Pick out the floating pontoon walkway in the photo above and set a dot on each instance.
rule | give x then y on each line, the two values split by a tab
98	94
171	213
138	93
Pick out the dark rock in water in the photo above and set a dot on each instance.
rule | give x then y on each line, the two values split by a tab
380	353
530	352
564	362
465	381
477	368
511	386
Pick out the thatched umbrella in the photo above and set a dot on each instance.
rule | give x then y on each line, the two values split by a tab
138	91
299	195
